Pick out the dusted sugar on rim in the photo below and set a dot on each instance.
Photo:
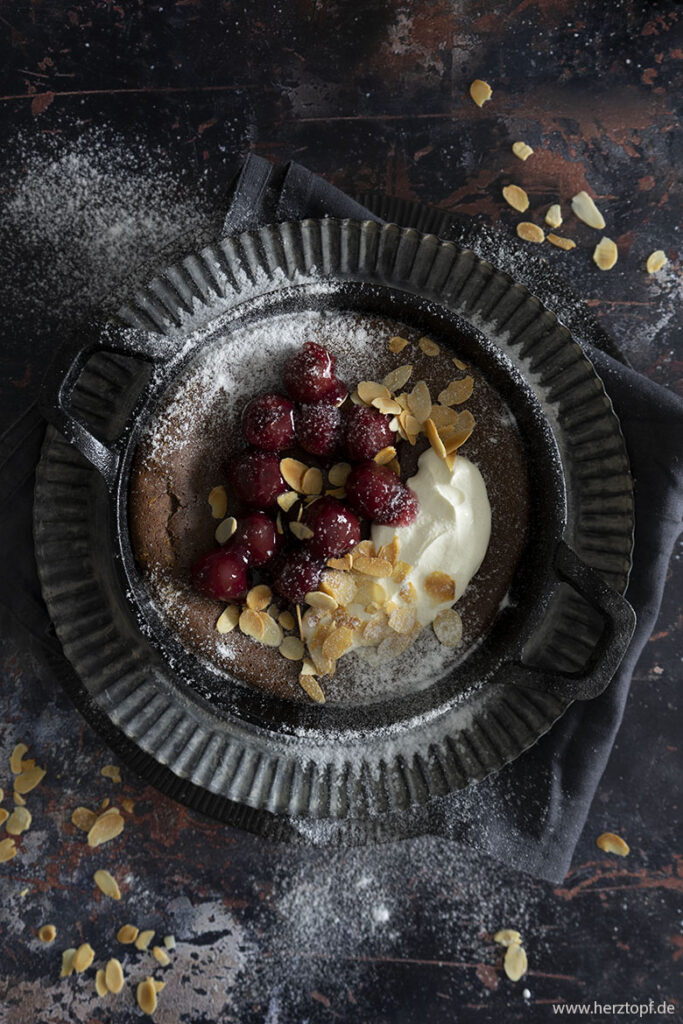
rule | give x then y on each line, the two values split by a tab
377	407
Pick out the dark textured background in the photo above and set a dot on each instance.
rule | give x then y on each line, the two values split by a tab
375	100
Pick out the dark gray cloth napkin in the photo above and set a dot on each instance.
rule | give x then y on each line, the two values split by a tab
530	814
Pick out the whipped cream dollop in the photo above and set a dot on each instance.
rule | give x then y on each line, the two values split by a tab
451	532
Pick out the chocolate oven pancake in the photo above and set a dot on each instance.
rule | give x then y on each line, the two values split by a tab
195	434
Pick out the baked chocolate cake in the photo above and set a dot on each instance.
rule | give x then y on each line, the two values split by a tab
195	438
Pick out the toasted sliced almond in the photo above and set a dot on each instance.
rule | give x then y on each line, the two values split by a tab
161	956
390	551
286	500
459	363
105	803
67	962
442	416
339	473
146	995
454	435
293	472
400	571
286	620
307	667
530	232
128	804
18	799
251	624
312	687
113	975
272	631
169	941
19	821
429	347
144	938
379	567
84	956
100	983
522	150
299	622
561	243
611	843
225	530
218	500
508	937
106	827
397	344
111	771
448	629
47	933
107	884
259	597
28	779
440	586
655	261
355	398
83	818
605	254
516	197
292	648
434	439
457	392
553	217
337	643
393	646
515	963
4	815
16	757
403	620
420	402
319	599
228	619
301	531
312	481
369	390
480	92
387	406
341	586
586	210
398	377
385	455
127	933
344	563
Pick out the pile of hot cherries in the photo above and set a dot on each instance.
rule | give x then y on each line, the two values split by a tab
310	419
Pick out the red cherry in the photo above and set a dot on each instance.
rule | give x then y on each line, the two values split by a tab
257	537
268	422
377	493
222	574
309	374
257	479
297	573
318	428
366	432
335	528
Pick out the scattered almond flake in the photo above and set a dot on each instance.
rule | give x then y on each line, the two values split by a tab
450	460
312	481
16	757
553	217
434	439
390	551
85	955
586	210
605	254
385	455
67	962
293	472
480	91
147	996
393	646
611	843
400	571
225	530
111	771
395	466
655	261
272	632
307	668
100	983
228	618
562	243
403	620
2	794
300	513
398	377
459	363
286	620
454	435
345	563
380	567
144	938
159	986
355	398
299	622
337	643
127	933
259	597
19	821
28	779
218	500
457	392
83	818
441	415
128	804
408	593
368	390
516	197
338	473
312	687
301	531
105	803
522	150
364	547
341	586
429	347
397	344
420	402
292	648
4	815
47	933
251	624
278	524
286	500
319	599
447	627
440	586
107	884
515	963
161	956
106	827
530	232
169	941
18	799
387	406
508	937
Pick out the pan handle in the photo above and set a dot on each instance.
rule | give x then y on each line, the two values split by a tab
619	621
61	378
